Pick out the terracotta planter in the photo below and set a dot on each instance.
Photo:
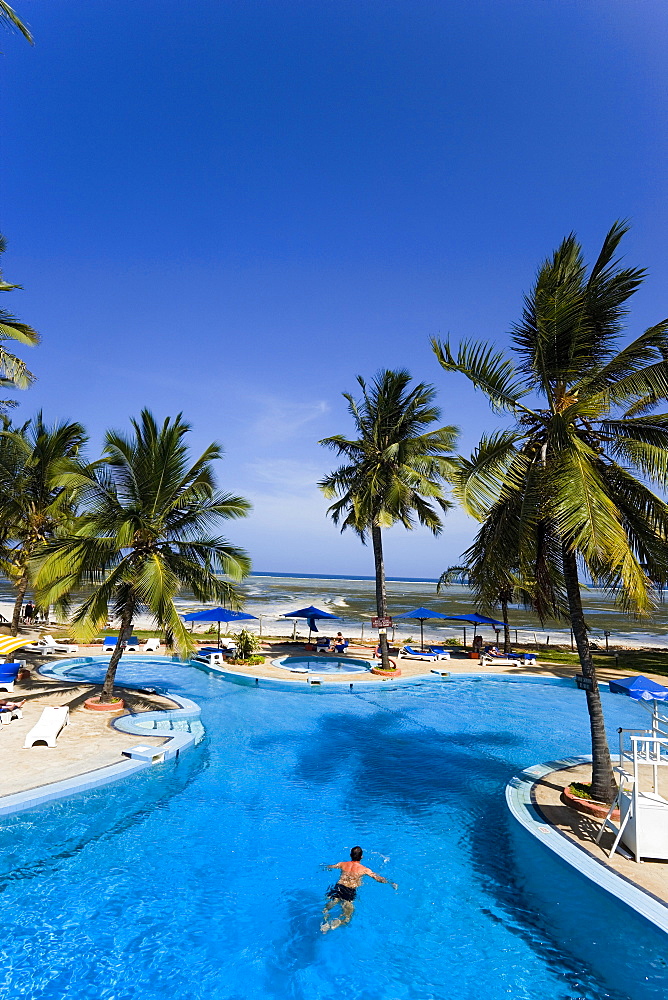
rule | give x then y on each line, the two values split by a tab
95	705
386	673
587	806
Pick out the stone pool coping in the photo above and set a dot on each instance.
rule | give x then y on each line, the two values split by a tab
523	809
174	743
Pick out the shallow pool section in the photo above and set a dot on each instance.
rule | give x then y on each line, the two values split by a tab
322	665
203	879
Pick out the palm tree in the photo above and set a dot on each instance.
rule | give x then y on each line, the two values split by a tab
34	505
13	372
564	489
394	470
11	20
143	534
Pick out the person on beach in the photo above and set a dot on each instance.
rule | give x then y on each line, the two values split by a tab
345	890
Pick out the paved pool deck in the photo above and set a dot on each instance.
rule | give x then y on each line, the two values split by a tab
88	743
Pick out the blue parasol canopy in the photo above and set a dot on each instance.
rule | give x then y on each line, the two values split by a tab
218	615
421	615
311	614
474	618
639	688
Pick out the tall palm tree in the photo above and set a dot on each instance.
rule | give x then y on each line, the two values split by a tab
11	19
394	471
144	533
13	372
565	489
34	505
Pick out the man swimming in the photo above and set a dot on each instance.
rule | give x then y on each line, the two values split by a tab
345	890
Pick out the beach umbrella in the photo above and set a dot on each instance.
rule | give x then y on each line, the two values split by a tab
312	615
10	643
421	615
475	619
218	615
641	689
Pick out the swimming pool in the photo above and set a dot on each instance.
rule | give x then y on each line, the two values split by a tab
201	878
323	664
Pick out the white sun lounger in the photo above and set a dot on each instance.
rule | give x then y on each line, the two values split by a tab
48	645
151	645
48	729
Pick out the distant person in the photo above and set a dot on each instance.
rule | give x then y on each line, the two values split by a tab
345	890
29	612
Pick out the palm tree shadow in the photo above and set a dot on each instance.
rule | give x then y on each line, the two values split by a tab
434	767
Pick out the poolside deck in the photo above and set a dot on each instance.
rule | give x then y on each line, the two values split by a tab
89	742
652	876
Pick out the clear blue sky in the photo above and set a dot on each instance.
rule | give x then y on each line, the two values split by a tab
233	207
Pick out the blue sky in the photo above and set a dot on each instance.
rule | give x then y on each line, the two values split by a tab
233	208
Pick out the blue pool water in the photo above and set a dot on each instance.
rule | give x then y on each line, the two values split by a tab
323	664
201	878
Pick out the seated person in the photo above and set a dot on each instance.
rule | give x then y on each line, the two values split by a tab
340	643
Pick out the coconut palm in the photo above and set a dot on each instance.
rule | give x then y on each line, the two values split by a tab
13	372
10	18
34	504
144	533
394	471
565	489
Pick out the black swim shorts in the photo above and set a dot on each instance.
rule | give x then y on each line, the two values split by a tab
340	891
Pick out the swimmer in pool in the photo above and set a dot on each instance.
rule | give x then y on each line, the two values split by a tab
345	890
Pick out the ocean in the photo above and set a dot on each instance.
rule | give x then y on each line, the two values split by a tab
271	594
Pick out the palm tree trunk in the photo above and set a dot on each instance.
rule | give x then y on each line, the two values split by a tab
18	603
506	626
124	634
381	597
603	786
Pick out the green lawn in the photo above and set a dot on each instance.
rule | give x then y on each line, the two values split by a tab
639	661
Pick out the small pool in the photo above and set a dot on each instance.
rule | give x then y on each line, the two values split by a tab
322	665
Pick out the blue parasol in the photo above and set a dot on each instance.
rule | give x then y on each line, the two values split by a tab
421	615
644	690
312	615
639	688
475	619
218	615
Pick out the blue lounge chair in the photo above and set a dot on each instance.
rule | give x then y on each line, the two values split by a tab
8	674
341	647
417	654
323	645
111	641
440	652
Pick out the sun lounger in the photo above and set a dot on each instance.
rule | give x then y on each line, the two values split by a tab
440	652
227	649
503	661
111	641
8	715
8	674
48	729
212	658
323	645
151	645
48	646
416	654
